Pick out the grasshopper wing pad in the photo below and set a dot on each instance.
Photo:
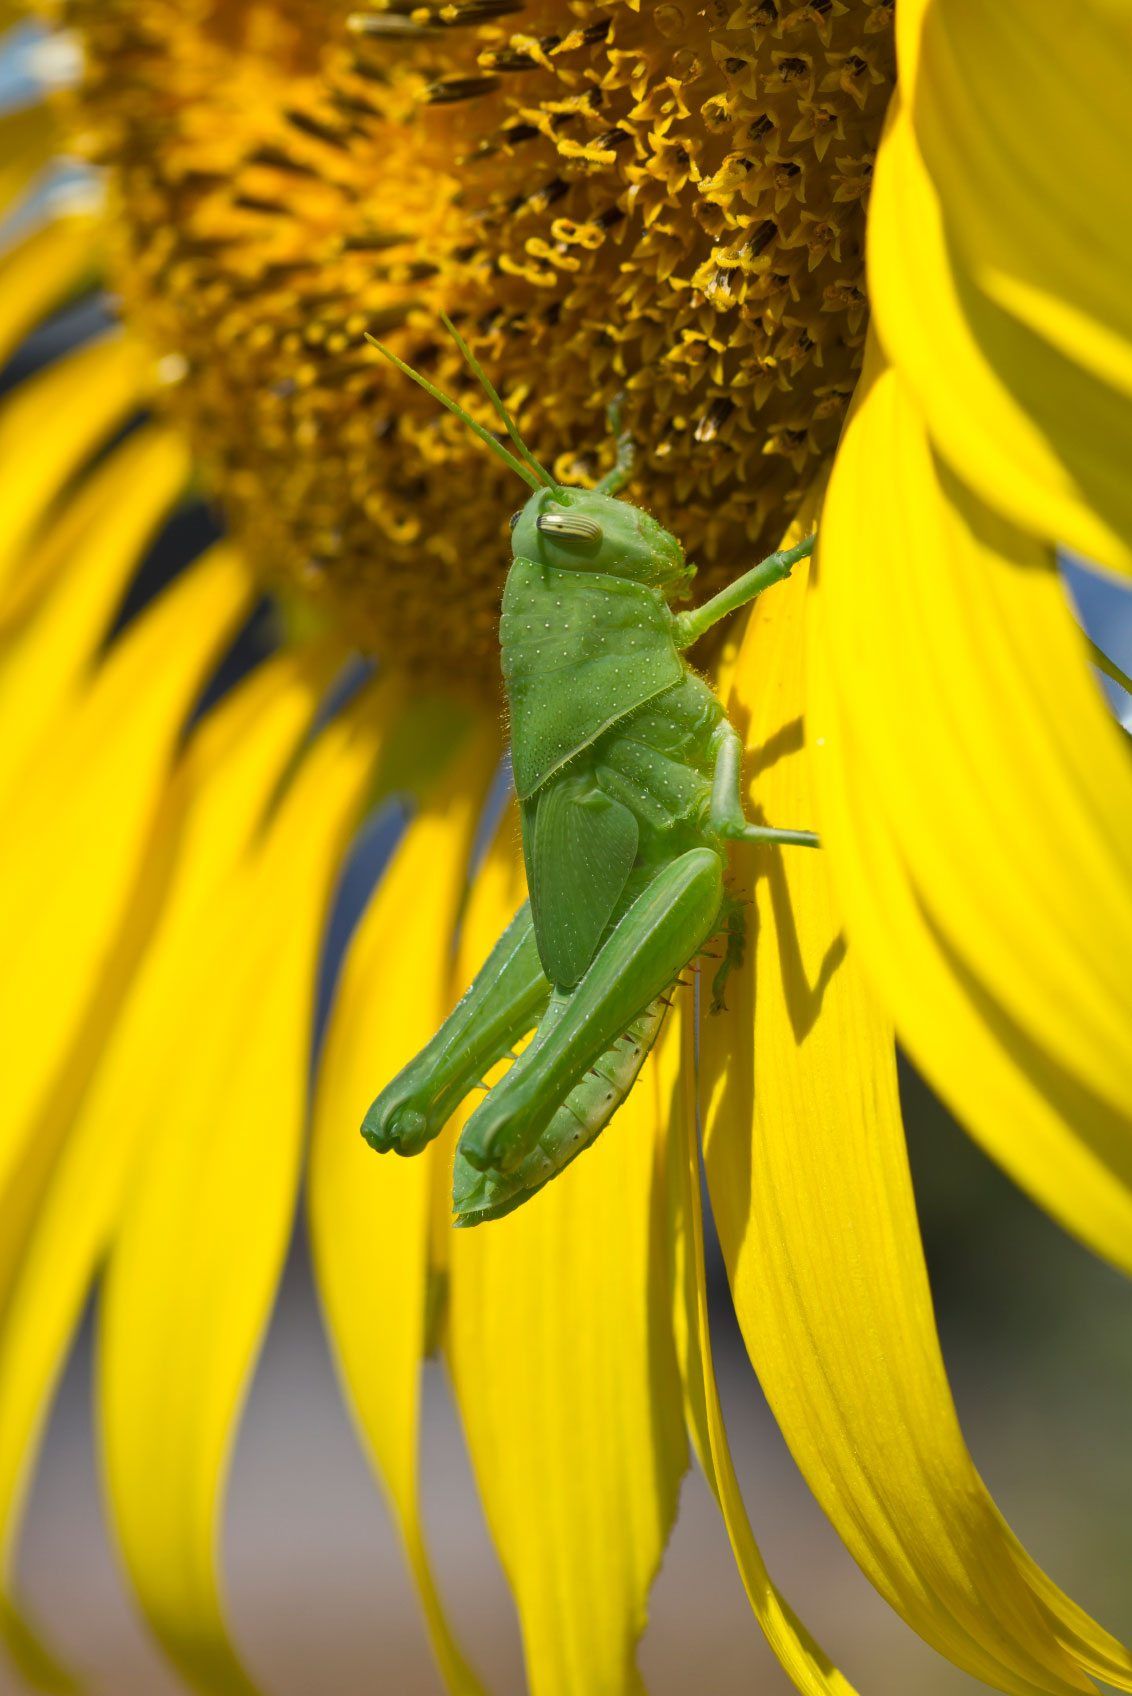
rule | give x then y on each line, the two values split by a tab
584	849
580	651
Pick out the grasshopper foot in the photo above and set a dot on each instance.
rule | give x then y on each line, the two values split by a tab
397	1126
578	1121
490	1142
480	1196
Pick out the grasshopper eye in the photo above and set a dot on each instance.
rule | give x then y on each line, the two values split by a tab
568	524
514	519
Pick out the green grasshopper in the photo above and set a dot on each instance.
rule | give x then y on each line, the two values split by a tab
627	773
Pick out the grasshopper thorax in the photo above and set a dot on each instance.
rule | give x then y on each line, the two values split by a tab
582	530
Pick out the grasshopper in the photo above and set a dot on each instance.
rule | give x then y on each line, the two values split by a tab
627	773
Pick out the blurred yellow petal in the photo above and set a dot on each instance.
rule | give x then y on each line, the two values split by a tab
82	868
40	272
1104	663
674	1080
48	427
56	1230
206	1222
28	138
980	816
370	1216
92	550
31	1658
809	1184
80	832
1008	310
561	1350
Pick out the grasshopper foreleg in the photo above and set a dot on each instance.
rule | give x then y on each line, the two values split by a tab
689	626
727	817
656	937
508	996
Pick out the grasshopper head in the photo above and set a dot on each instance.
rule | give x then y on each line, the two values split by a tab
578	529
582	530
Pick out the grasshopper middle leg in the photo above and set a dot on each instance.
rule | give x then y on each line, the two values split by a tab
727	816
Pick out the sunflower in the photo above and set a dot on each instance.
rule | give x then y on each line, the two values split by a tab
678	203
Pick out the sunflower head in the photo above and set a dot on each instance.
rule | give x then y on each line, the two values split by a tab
664	200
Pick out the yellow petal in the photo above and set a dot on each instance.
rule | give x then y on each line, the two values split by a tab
810	1188
674	1078
49	426
1026	401
55	1225
1104	663
28	138
370	1216
1044	228
561	1350
92	549
81	867
40	272
980	801
197	1257
80	836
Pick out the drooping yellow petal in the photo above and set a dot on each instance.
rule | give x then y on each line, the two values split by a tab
561	1351
48	427
81	832
206	1222
55	1224
91	551
1008	309
81	866
810	1187
40	272
32	1659
994	94
674	1079
370	1216
28	138
980	801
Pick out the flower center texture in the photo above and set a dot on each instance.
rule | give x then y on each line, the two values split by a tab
665	200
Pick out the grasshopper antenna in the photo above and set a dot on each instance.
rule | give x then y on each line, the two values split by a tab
492	394
520	469
614	481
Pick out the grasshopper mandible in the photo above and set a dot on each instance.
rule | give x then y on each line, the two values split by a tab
627	773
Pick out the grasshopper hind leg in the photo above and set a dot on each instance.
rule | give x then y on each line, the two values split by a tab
667	923
480	1196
